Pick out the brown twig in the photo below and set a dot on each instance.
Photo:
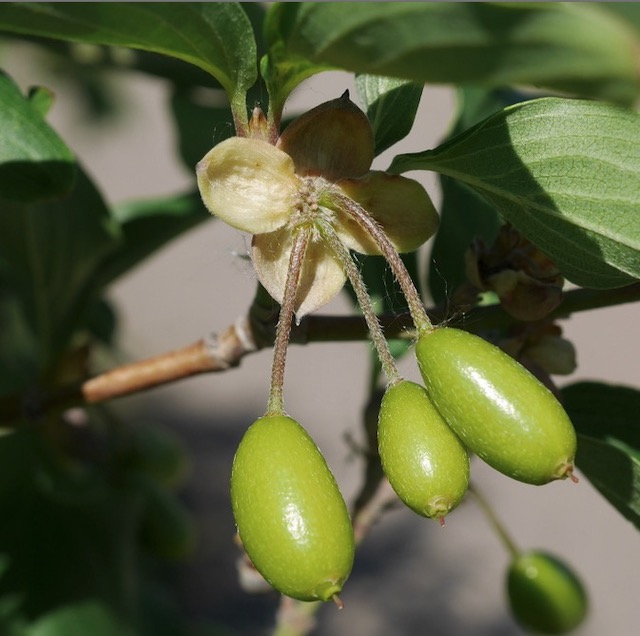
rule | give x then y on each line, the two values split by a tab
215	353
226	350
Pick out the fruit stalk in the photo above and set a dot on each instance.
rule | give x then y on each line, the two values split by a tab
496	524
364	219
283	329
375	330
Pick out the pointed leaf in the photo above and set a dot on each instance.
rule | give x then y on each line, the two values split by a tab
18	347
281	69
606	420
67	531
391	106
215	36
606	412
572	47
48	253
627	11
463	214
199	126
566	173
146	226
614	472
80	619
35	164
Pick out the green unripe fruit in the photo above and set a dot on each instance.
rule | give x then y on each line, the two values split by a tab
499	410
424	460
291	518
544	594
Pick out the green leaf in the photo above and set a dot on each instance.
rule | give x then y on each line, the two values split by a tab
566	173
614	472
16	459
215	36
199	126
67	532
41	99
572	47
281	69
35	164
627	11
81	619
463	214
49	253
391	106
18	346
606	412
145	226
606	420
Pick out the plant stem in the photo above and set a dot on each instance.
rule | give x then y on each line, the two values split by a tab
223	351
283	330
375	330
238	105
370	225
497	525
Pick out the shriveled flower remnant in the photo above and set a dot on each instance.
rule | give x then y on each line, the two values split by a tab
300	184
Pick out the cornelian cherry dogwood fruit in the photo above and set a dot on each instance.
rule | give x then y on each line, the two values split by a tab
272	191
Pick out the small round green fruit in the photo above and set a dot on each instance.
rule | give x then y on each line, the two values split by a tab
545	595
291	518
498	409
424	460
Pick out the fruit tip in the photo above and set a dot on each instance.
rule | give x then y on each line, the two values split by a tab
338	601
441	521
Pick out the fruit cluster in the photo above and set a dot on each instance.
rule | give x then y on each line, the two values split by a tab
308	200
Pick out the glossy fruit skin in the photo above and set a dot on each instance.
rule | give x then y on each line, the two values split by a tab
424	460
544	594
291	518
499	410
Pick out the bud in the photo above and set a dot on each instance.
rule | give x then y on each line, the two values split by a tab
526	280
334	140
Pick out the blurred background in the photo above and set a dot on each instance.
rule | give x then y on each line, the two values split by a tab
410	576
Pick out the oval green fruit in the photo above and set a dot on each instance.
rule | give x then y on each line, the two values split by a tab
424	460
545	595
499	410
291	518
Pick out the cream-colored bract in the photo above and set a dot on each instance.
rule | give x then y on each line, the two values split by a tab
269	190
322	275
400	205
249	184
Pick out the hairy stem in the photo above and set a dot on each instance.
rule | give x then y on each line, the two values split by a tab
375	330
283	330
370	225
239	112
